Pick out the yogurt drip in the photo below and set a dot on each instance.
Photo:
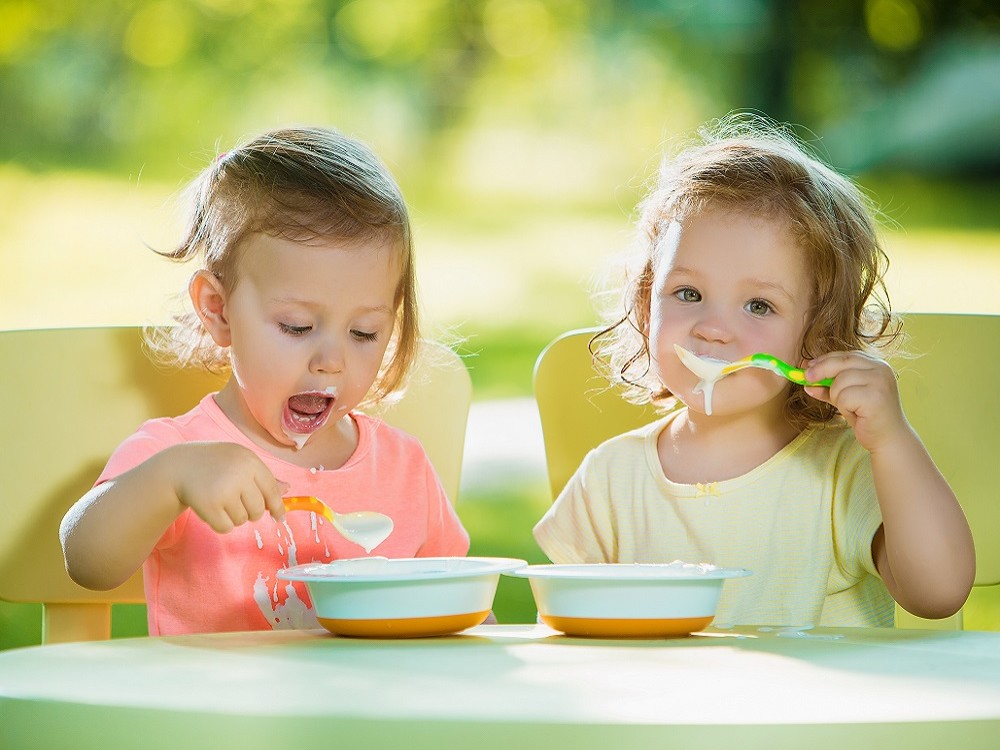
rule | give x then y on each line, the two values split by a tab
299	438
365	528
708	369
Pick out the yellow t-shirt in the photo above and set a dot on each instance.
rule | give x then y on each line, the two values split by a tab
802	522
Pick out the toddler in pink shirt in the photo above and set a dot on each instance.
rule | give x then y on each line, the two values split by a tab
306	294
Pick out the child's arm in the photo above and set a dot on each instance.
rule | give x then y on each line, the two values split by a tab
110	531
924	550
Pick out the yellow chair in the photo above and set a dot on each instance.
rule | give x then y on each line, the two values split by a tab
69	396
949	392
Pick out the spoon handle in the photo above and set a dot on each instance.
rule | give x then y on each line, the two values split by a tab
785	370
303	502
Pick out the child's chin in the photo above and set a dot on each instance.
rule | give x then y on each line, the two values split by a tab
296	439
298	431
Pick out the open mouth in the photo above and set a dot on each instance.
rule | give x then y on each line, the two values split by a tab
307	412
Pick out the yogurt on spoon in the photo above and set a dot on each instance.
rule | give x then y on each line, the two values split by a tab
709	369
366	528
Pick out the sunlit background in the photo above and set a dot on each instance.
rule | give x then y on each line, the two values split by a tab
522	131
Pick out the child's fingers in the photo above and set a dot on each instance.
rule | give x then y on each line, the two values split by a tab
254	504
272	491
827	366
832	364
238	512
219	520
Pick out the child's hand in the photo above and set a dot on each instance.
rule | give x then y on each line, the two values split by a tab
864	391
225	484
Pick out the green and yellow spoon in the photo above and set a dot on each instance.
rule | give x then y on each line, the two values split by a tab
714	369
711	370
775	365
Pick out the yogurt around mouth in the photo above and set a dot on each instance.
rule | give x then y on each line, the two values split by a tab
708	369
299	438
306	413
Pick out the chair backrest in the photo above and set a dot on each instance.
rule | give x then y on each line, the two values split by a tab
69	396
577	408
948	392
435	409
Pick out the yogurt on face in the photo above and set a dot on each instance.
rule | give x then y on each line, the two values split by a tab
708	369
300	438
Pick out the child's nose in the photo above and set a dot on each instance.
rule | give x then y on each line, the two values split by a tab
712	327
329	355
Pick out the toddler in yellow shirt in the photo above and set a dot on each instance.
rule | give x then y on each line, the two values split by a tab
750	244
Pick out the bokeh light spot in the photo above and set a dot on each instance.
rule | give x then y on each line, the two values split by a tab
17	21
516	28
158	35
391	31
370	27
893	24
227	7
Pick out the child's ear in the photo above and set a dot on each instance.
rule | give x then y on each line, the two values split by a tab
209	300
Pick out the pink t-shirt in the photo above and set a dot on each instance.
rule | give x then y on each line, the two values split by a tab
197	580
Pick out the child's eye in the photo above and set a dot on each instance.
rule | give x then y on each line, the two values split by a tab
364	335
687	294
294	330
759	307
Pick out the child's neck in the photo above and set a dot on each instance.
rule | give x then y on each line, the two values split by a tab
330	448
698	449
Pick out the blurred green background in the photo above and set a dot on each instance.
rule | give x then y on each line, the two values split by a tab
523	133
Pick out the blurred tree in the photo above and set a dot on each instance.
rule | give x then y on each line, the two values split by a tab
864	71
113	83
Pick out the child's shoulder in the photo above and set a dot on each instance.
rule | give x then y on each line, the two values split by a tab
375	430
198	421
633	442
834	440
205	421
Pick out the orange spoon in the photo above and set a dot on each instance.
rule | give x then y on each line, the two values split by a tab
363	527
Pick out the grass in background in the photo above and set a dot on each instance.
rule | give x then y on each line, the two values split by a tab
499	522
501	361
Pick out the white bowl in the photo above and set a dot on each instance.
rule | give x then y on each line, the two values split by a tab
627	600
375	597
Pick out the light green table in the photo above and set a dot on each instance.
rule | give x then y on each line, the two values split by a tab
508	686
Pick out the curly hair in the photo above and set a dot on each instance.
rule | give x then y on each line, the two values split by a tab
752	165
297	184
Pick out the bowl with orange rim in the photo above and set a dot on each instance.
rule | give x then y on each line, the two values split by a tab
627	600
377	597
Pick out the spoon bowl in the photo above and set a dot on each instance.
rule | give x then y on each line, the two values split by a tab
365	528
708	369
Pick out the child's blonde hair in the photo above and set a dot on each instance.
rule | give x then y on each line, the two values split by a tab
297	184
751	165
